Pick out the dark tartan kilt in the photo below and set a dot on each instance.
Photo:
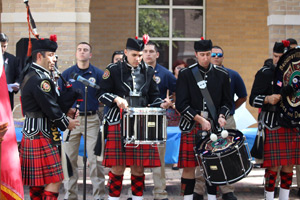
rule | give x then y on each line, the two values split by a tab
282	147
144	155
40	161
187	156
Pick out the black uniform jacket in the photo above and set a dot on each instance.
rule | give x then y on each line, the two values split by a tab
12	72
39	103
263	86
189	99
118	80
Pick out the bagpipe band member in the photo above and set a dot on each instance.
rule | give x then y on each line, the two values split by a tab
281	146
40	161
128	84
195	115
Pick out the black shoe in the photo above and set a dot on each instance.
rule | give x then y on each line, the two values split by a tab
298	192
197	196
175	168
229	196
129	198
162	199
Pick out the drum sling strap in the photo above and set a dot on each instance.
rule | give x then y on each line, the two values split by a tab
205	93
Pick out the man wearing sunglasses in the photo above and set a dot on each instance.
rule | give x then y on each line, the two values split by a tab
237	87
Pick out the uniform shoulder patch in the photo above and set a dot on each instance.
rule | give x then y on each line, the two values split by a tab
106	74
45	86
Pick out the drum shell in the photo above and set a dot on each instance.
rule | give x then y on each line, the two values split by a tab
144	125
235	166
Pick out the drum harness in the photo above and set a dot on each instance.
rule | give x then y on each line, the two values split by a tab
211	107
205	93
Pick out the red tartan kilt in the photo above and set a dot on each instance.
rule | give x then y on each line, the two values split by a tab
187	156
144	155
282	147
40	161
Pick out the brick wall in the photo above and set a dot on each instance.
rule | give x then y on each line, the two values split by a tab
240	28
281	32
112	23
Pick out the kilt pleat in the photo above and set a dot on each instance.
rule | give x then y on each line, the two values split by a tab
40	161
187	156
282	147
144	155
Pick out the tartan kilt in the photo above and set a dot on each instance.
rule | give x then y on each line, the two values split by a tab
40	161
282	147
144	155
187	156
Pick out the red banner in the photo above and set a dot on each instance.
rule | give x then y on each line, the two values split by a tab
11	177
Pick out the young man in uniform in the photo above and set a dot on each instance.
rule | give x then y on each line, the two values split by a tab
237	87
128	84
86	70
193	107
166	81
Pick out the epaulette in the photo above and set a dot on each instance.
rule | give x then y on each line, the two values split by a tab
193	65
220	69
109	66
41	74
265	67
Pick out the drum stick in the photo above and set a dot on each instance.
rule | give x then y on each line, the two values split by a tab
159	102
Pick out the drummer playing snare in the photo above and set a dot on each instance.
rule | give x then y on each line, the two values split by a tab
128	84
194	109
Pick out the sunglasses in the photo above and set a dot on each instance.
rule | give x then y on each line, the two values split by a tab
220	55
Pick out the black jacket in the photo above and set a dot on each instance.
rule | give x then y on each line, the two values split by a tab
39	103
263	86
12	71
189	99
117	80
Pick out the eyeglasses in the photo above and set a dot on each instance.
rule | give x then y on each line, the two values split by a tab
220	55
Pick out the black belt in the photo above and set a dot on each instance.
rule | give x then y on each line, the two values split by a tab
88	113
34	114
270	108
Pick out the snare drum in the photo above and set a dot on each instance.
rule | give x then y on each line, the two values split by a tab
224	161
144	126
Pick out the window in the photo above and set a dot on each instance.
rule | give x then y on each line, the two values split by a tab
174	25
